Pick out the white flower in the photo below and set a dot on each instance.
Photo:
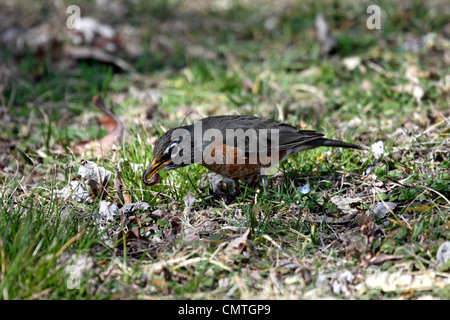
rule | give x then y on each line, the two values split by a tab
378	150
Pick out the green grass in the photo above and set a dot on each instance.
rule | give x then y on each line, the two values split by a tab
296	239
34	231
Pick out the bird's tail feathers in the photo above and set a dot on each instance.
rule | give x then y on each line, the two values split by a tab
323	142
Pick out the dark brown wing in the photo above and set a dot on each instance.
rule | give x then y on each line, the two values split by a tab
255	134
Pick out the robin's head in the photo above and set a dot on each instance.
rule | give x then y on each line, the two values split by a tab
166	153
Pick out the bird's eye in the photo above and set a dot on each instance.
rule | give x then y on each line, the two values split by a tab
170	147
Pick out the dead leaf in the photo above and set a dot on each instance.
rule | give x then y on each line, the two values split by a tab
238	245
344	204
96	177
101	42
83	53
41	40
76	191
421	208
135	216
88	29
382	258
131	208
107	212
160	284
114	136
324	219
247	84
159	214
133	234
381	209
192	233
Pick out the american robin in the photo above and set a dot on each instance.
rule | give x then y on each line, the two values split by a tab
234	146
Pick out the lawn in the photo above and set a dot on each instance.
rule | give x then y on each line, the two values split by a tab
77	222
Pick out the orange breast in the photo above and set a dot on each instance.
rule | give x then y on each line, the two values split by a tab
231	162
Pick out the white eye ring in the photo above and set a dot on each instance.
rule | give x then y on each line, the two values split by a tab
170	147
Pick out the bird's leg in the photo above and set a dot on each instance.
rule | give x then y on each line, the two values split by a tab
263	181
252	181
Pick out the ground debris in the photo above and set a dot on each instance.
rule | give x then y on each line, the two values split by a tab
443	256
238	245
381	209
96	177
405	281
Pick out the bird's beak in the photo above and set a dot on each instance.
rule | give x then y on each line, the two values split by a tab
151	171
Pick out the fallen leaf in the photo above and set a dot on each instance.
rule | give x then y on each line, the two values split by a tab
159	214
83	53
133	234
114	136
96	177
381	209
421	208
192	233
382	258
324	219
107	212
137	213
344	204
247	84
132	208
134	241
76	191
238	245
